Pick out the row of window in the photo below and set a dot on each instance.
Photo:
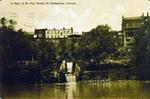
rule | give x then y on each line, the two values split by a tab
52	36
57	33
135	24
130	34
56	36
51	32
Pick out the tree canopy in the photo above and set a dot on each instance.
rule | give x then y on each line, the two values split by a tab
97	44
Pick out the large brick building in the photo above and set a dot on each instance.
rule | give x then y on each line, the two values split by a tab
53	33
131	26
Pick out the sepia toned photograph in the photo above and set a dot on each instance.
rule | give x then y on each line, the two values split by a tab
74	49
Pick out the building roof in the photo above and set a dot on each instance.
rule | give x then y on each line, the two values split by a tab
54	29
133	18
40	29
74	36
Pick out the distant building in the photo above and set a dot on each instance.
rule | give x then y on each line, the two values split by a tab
131	26
53	33
40	33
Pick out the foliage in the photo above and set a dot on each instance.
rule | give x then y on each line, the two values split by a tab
97	44
142	52
27	60
16	47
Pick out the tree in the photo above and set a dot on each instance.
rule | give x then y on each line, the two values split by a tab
3	22
142	52
44	52
97	44
62	49
14	46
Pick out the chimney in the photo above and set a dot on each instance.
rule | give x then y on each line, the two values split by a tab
123	17
72	30
142	14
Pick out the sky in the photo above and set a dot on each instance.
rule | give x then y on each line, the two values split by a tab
83	15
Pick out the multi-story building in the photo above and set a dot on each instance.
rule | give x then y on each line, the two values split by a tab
131	26
53	33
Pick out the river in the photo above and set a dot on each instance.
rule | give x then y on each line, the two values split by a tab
85	90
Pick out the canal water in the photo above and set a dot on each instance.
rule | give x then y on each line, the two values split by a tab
80	90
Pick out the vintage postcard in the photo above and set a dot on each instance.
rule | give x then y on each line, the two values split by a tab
74	49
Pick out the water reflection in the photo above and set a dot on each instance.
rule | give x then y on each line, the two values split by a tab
84	90
71	90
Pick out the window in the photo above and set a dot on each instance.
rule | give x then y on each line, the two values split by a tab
133	24
120	37
127	25
138	24
146	20
40	35
128	40
130	34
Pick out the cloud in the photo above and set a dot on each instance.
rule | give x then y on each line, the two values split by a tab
86	15
120	8
67	18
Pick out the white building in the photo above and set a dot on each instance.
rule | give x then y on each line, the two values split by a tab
53	33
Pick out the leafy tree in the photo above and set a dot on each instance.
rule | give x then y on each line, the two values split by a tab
62	49
3	22
14	46
44	50
97	44
142	52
